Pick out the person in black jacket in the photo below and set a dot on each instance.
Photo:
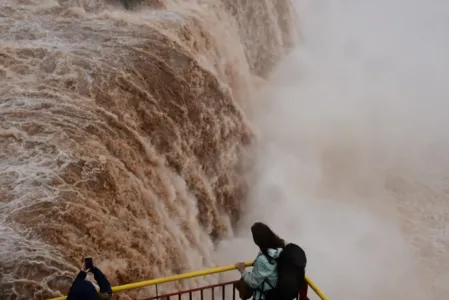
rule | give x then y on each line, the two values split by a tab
83	289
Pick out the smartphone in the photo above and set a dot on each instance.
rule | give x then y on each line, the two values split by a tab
88	263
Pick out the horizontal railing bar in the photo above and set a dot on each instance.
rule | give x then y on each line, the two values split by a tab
315	288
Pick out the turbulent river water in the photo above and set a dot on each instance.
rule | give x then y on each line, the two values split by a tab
152	136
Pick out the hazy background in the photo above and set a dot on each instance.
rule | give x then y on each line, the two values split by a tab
352	160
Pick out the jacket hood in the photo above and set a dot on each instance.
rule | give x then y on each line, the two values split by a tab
274	253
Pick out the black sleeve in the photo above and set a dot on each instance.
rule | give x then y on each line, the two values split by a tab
79	278
103	282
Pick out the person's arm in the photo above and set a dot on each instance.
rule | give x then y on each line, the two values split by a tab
103	282
79	278
257	275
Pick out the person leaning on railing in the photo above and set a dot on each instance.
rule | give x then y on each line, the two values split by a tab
83	289
264	275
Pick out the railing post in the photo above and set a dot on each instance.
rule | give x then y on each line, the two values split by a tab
223	296
303	291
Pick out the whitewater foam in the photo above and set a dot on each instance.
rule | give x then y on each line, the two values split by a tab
122	133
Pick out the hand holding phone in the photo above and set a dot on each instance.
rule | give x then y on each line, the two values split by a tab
88	263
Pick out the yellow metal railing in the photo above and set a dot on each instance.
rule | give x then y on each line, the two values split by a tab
141	284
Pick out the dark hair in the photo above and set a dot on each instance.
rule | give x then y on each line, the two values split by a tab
266	239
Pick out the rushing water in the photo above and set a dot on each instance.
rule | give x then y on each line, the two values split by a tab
148	137
121	133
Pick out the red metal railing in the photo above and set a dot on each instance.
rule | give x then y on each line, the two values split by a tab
224	289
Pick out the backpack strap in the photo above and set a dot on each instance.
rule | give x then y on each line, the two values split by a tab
267	282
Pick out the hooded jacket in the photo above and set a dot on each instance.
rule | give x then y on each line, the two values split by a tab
264	275
83	289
